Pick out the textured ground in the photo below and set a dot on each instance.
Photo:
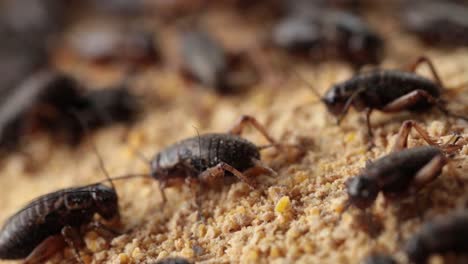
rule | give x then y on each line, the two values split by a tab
288	218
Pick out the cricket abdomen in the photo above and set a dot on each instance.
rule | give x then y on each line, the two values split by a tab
205	151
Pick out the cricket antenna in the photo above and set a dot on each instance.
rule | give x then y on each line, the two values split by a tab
442	106
141	156
457	137
128	176
278	145
262	147
93	145
451	145
309	85
101	163
199	144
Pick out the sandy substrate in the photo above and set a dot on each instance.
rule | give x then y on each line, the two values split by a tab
289	218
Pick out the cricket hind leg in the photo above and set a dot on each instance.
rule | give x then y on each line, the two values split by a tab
45	250
402	138
436	76
69	236
408	100
411	99
214	173
419	61
429	172
246	119
443	88
259	168
403	134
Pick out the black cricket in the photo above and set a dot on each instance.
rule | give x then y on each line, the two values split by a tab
378	258
175	260
402	172
52	101
445	234
206	158
205	60
337	34
437	23
40	229
388	91
107	44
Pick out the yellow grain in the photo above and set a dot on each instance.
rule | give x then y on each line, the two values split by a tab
123	258
284	203
137	254
350	137
275	252
300	177
252	256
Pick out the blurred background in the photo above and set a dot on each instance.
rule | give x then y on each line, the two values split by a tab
135	76
224	46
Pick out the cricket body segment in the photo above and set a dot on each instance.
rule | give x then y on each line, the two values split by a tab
443	235
192	156
49	214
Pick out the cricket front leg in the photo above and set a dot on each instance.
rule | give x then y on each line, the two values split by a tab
194	185
73	240
103	230
370	134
